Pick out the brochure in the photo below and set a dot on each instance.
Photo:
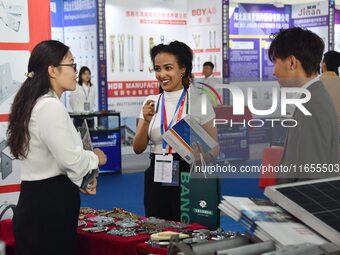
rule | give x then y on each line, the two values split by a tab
268	221
87	145
185	134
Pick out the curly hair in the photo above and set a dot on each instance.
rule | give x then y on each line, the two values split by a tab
183	54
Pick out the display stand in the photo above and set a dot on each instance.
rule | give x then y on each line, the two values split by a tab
105	135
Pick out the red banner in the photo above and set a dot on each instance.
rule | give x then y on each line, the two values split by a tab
132	88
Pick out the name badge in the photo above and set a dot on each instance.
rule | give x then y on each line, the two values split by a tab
175	175
163	168
87	106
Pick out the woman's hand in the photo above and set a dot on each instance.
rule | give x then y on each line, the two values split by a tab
199	154
101	156
91	188
148	110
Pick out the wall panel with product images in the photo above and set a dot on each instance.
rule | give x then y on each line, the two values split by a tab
133	28
80	24
250	28
249	65
24	24
205	34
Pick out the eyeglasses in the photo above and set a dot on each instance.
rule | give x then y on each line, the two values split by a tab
74	65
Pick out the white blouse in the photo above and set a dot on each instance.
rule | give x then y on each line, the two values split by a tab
55	147
171	100
83	94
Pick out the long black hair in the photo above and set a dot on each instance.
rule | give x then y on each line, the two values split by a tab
332	61
183	54
45	54
82	70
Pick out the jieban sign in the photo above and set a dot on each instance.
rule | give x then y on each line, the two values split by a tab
301	96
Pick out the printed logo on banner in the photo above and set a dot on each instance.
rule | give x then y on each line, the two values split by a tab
310	10
203	204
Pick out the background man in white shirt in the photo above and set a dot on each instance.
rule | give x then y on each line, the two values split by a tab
209	78
208	72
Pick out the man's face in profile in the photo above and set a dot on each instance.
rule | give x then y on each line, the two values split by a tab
282	72
207	71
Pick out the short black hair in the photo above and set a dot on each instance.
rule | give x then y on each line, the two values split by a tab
332	61
208	63
183	54
303	44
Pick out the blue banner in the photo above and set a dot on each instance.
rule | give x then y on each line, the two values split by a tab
78	13
56	7
109	143
256	19
244	60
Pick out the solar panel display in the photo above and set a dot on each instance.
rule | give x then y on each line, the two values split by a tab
316	203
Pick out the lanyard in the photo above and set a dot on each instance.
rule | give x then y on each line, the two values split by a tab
164	121
86	95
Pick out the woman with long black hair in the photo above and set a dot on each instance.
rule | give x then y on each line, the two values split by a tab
52	159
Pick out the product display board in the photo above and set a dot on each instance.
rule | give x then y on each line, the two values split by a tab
267	65
244	63
81	26
205	35
250	26
316	203
313	16
132	29
105	135
23	24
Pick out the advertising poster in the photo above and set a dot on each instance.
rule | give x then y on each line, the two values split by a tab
132	29
204	35
250	27
79	24
255	19
244	60
25	24
313	16
267	65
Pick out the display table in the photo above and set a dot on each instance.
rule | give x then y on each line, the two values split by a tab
97	243
144	248
6	235
102	243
